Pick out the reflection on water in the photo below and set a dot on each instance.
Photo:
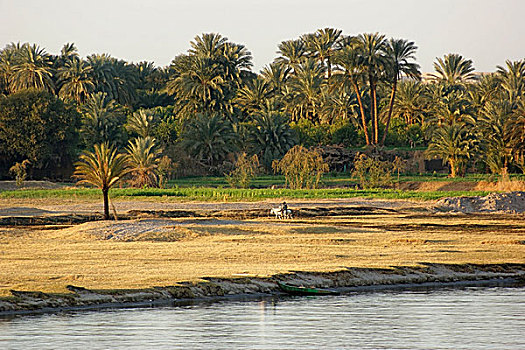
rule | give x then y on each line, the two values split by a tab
470	318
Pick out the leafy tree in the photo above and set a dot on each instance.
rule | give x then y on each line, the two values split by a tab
167	129
143	160
38	126
102	168
345	134
302	168
310	134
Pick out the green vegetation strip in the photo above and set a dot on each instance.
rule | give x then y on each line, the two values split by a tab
230	194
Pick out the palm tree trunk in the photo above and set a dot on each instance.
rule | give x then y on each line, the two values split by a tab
390	109
376	121
373	109
105	193
452	167
362	110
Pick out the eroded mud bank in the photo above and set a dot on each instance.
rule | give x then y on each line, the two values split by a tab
350	279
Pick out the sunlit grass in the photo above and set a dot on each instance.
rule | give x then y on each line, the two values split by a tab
48	260
232	194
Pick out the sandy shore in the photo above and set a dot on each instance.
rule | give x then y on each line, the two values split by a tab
165	252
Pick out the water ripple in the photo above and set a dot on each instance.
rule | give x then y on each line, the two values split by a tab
470	318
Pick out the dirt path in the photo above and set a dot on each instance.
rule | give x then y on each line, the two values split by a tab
28	207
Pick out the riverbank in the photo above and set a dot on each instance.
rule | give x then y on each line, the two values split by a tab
348	280
55	257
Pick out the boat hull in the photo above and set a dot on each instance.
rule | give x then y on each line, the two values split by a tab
293	290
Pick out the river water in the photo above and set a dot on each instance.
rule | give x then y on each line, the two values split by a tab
466	318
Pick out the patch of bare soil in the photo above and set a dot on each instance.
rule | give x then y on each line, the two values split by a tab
507	203
463	186
11	185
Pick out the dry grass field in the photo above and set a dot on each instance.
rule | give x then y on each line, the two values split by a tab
158	252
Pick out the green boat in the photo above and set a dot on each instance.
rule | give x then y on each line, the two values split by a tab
293	290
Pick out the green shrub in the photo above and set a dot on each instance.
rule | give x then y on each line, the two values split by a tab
345	134
244	172
372	172
19	171
310	134
301	167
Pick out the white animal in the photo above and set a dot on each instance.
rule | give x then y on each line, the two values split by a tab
279	214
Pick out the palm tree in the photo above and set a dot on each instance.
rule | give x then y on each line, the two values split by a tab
454	144
75	80
254	95
143	160
351	73
102	168
485	90
140	123
208	45
8	59
451	107
276	75
68	52
125	81
373	60
102	74
337	105
306	86
32	70
399	54
270	137
517	134
237	63
411	102
512	78
209	139
202	84
453	69
322	45
497	128
102	121
292	52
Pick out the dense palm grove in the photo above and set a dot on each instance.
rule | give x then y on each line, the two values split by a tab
207	106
